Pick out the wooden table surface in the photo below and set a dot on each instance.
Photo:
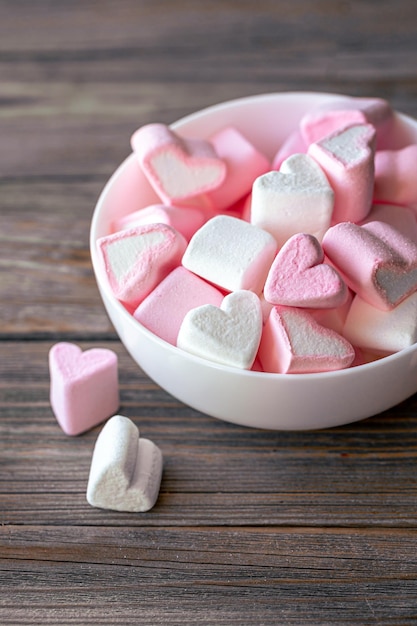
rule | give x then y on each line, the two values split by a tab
251	527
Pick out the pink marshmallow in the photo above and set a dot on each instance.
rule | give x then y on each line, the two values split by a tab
231	253
244	163
347	158
328	119
298	276
377	262
163	310
294	144
333	318
238	209
399	217
136	260
84	386
186	220
382	331
176	167
294	343
395	176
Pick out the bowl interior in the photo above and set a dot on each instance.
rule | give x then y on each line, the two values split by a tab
275	401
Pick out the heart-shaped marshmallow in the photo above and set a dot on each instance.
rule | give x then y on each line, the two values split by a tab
298	276
229	334
296	199
377	261
294	343
137	259
163	310
84	387
339	114
126	470
176	167
347	158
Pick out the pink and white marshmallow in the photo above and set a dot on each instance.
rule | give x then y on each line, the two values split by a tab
231	254
164	309
229	334
296	199
377	262
294	343
178	168
84	387
347	158
337	115
299	277
136	260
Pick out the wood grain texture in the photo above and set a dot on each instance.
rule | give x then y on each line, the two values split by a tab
251	527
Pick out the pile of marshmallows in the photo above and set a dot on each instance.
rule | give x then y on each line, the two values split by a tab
306	263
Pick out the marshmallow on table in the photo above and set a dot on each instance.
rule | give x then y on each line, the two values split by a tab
296	199
176	167
84	387
331	117
244	163
231	253
395	176
382	331
229	334
137	259
347	158
377	262
126	470
186	220
294	343
298	276
163	310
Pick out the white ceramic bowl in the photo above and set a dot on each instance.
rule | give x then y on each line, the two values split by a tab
256	399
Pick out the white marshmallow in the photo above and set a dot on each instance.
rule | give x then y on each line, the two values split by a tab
296	199
126	470
383	331
231	253
229	335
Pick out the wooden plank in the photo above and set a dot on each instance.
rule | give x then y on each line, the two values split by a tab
209	576
46	278
83	25
55	131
